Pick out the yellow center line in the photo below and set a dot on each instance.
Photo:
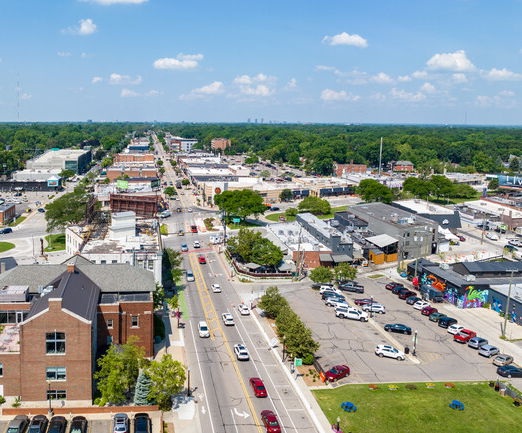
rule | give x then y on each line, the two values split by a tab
202	287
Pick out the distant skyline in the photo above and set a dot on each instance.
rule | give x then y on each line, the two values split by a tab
337	61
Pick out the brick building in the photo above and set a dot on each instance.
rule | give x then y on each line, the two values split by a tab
406	166
61	318
220	143
340	169
131	170
133	157
7	213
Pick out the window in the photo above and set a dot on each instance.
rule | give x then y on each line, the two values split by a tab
55	342
56	373
134	322
54	394
103	262
1	369
150	264
114	261
110	323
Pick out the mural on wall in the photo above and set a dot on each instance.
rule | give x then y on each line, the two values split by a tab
472	298
497	305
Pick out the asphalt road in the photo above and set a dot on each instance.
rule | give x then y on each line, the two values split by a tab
220	383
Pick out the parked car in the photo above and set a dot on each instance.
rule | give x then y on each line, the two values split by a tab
38	424
488	350
364	301
464	336
330	289
502	360
477	342
435	317
18	424
426	311
412	299
461	238
454	329
446	322
196	244
331	294
337	372
335	302
397	289
241	352
243	309
390	352
41	209
190	276
390	286
346	312
405	294
203	330
352	287
419	305
79	425
509	371
6	230
59	423
397	327
374	308
319	286
202	260
492	236
270	422
184	248
228	320
258	386
216	288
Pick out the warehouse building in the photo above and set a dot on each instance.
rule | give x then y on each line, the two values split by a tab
75	160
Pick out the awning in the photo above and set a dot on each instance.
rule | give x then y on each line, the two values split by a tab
382	240
448	235
341	258
323	257
252	266
285	267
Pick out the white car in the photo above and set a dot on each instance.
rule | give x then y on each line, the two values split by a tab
390	352
190	276
322	289
241	352
203	330
419	305
189	209
216	288
334	302
351	313
455	329
197	244
243	309
376	308
492	236
228	320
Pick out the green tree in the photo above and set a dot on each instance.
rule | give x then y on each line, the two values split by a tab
294	159
159	162
291	212
299	341
265	174
185	182
141	393
67	174
161	170
251	159
272	302
442	186
371	190
321	274
493	184
253	247
106	162
170	191
167	378
240	203
67	209
286	195
418	187
285	320
157	296
514	164
315	205
345	271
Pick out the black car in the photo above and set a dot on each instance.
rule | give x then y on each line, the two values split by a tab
38	424
329	294
6	230
274	208
18	424
397	327
509	371
412	299
41	209
397	289
78	425
142	423
335	297
446	322
57	424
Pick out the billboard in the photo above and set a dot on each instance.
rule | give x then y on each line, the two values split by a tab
53	182
512	181
155	183
123	184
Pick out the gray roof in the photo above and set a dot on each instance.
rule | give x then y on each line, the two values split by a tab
10	263
501	267
341	258
252	266
382	240
117	277
325	257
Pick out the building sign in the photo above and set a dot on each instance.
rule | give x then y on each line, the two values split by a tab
53	182
123	184
515	181
217	190
154	183
445	222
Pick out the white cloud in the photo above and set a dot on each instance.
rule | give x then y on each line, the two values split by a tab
378	97
292	84
428	88
258	85
63	54
126	93
125	80
183	61
346	39
500	75
456	61
214	88
152	93
86	56
419	75
406	96
506	93
259	90
382	78
86	27
113	2
404	78
332	95
97	80
459	78
25	96
325	68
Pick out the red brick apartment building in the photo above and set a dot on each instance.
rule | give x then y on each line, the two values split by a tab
114	173
133	157
220	143
406	166
340	169
57	318
7	213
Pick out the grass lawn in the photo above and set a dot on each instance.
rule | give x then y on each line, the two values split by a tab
241	225
275	216
181	300
422	410
17	221
55	242
6	246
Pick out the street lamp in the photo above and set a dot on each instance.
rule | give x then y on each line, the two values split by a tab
415	343
507	305
284	348
49	397
188	382
338	421
371	306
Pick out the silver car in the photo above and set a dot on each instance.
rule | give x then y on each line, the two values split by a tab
477	342
488	350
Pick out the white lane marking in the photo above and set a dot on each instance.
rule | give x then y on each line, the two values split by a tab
201	375
242	415
235	425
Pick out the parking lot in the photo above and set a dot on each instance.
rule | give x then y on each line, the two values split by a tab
353	343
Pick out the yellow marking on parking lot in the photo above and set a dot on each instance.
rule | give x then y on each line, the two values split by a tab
426	357
202	288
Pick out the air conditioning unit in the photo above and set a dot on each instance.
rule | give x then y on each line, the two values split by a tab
470	277
444	266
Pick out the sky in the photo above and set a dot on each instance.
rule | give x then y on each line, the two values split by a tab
329	61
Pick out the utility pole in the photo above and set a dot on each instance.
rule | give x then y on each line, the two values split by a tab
507	305
380	158
298	252
417	255
483	229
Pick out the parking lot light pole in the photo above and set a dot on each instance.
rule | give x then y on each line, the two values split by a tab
49	397
188	382
337	426
371	306
415	343
506	312
284	348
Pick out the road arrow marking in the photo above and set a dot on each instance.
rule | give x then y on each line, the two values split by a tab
203	410
242	415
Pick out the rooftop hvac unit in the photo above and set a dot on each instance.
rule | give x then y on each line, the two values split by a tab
469	277
40	289
444	266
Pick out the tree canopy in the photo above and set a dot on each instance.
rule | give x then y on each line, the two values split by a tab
240	203
68	209
321	274
372	190
315	205
286	195
253	247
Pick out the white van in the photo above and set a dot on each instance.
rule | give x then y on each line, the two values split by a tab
203	330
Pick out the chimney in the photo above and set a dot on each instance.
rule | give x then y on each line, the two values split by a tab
70	268
351	161
2	267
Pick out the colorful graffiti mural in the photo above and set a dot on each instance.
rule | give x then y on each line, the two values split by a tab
472	298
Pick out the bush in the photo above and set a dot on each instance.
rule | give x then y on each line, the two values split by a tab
16	402
164	229
97	401
486	305
308	359
2	399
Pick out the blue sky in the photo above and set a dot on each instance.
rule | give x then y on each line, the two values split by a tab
372	61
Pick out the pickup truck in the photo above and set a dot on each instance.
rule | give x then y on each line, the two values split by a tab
351	287
351	313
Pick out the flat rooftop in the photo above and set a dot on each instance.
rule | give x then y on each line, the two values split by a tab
390	215
62	153
493	208
203	171
421	206
288	235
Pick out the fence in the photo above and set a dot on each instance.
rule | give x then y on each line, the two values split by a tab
508	391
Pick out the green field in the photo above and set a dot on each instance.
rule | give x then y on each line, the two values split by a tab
17	221
422	410
275	216
6	246
55	242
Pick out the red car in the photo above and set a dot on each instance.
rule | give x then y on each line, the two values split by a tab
364	301
426	311
462	238
202	260
464	336
405	294
337	372
258	387
194	229
390	286
270	422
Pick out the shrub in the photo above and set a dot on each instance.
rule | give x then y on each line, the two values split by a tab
308	359
164	229
486	305
16	402
97	401
2	399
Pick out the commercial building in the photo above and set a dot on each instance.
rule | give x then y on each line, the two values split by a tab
133	157
56	318
340	169
180	144
132	170
7	213
403	166
220	144
475	212
75	160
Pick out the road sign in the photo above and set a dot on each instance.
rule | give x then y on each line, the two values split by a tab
298	362
236	220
